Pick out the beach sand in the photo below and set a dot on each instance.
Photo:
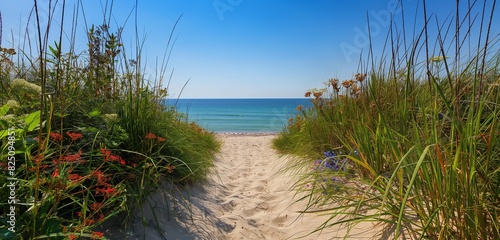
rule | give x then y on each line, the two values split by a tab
246	197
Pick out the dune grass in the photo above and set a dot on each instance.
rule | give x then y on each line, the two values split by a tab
413	143
86	138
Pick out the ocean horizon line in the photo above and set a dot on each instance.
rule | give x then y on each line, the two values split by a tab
247	133
240	115
216	98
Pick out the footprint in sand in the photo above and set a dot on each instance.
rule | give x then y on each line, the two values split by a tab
279	221
245	200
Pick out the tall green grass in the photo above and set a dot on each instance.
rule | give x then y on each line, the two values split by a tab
91	136
419	133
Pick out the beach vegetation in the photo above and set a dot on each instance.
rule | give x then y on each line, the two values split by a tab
411	142
86	136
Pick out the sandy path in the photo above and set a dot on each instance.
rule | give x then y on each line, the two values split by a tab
244	198
258	198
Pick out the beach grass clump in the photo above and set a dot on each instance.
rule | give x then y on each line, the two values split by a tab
424	127
86	138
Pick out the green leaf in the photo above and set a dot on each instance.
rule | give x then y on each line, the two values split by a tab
33	120
4	109
52	50
56	52
4	124
4	133
94	113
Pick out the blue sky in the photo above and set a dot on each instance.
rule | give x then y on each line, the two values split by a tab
244	48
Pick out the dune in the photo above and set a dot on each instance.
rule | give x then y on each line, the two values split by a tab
245	197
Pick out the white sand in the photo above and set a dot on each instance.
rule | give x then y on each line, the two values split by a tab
244	198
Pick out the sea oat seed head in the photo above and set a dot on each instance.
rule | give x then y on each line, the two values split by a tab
334	83
360	77
347	83
317	94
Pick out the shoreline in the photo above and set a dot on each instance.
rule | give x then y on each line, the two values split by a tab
246	133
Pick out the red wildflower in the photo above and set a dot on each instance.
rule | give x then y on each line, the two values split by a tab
106	154
38	159
55	173
79	214
117	158
95	206
113	158
72	237
160	139
106	192
56	136
74	177
88	222
42	167
101	178
72	158
74	136
150	136
121	160
101	217
97	235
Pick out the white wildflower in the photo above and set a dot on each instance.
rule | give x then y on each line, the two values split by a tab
8	118
23	85
13	104
110	118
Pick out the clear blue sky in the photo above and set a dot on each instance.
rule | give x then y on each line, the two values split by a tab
244	48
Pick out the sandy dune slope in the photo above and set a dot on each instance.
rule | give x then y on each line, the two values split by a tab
244	198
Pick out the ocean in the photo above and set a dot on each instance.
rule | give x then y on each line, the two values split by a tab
254	115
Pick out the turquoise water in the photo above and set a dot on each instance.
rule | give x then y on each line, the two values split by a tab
240	115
